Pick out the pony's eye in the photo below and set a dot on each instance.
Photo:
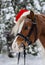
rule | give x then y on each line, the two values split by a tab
26	27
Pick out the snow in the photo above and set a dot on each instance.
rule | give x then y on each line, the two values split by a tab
43	8
30	60
36	2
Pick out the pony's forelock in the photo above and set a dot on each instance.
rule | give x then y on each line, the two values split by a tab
20	27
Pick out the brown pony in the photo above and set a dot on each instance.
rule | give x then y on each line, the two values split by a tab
31	29
28	35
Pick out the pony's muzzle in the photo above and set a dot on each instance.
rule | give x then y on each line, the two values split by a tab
16	48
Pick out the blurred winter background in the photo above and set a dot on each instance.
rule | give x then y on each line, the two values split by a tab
8	11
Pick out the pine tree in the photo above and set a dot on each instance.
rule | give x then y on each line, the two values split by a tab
6	21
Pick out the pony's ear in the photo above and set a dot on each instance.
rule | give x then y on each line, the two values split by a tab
31	15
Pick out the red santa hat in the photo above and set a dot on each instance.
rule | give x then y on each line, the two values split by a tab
22	14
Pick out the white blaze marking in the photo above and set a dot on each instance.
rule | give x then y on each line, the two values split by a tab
20	27
15	46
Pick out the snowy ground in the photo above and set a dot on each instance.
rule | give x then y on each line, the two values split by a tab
30	60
